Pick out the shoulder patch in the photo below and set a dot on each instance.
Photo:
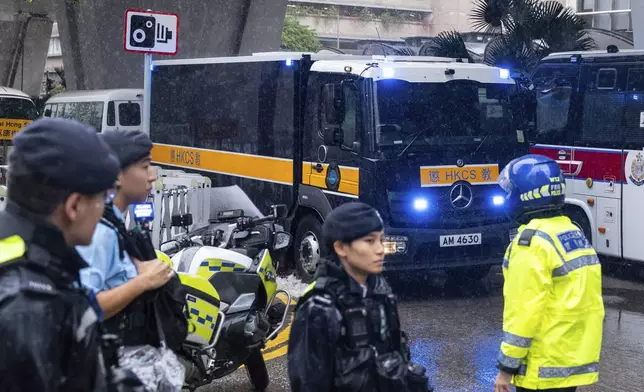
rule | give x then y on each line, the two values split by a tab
12	248
525	238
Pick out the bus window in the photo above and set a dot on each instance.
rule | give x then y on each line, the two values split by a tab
129	114
90	113
604	106
17	109
606	79
635	79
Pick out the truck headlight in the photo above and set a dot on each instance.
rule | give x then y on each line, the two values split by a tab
395	244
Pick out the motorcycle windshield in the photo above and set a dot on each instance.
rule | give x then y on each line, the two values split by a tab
231	198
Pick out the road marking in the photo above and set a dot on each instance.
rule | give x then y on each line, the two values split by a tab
280	352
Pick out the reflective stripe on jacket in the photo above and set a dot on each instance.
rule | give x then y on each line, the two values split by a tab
553	312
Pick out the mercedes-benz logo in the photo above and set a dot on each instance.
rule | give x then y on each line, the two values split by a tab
460	163
461	195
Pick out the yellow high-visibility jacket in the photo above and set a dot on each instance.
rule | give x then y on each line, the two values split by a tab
553	313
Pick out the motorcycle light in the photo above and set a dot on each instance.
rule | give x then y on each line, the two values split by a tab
498	200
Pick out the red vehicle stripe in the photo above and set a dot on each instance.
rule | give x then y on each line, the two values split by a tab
600	165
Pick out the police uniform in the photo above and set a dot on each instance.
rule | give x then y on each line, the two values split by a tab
48	325
345	337
553	314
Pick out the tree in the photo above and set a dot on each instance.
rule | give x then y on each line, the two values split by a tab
528	30
299	38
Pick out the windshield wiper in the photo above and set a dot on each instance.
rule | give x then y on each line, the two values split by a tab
482	141
413	140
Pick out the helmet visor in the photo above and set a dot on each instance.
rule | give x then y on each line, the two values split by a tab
504	180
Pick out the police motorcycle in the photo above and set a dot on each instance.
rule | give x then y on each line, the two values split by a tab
229	273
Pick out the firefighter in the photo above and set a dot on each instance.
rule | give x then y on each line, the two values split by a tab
553	313
59	174
346	333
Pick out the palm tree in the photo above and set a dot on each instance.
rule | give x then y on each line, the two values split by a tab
528	30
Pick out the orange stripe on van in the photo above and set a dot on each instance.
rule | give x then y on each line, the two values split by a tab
251	166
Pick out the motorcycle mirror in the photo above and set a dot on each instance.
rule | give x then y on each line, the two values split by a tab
182	220
280	211
282	240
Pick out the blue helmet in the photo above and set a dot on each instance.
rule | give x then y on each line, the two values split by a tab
532	183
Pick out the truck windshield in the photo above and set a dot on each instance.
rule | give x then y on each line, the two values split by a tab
452	113
17	109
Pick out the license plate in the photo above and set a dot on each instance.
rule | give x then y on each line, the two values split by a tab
460	240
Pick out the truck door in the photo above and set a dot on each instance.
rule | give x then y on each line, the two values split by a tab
633	186
332	169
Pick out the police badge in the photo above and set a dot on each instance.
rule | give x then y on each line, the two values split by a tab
637	170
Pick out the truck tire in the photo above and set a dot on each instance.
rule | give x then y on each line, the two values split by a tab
468	274
579	219
256	370
308	248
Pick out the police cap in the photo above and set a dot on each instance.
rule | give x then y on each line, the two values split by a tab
349	222
66	153
129	146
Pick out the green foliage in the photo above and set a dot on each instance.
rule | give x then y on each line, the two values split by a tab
299	38
528	31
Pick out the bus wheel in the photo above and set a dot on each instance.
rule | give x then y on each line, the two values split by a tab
307	247
580	220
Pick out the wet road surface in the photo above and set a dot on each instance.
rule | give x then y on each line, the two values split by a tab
455	333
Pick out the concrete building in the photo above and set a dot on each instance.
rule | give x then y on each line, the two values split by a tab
344	24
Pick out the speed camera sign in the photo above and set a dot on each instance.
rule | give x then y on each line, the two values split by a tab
151	32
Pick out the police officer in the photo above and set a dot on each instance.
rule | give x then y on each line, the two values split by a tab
133	287
59	172
553	315
346	333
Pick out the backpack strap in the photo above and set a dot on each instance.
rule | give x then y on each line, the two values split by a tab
110	220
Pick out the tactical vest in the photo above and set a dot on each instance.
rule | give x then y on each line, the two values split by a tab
373	353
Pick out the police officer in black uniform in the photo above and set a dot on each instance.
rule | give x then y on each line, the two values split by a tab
346	333
59	175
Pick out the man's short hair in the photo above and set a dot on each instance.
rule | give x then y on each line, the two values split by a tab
32	191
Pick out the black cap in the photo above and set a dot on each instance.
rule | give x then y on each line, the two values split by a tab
349	222
66	153
129	146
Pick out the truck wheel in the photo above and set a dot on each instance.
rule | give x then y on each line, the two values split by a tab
579	219
308	247
256	370
468	274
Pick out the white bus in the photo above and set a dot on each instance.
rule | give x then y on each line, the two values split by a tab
102	109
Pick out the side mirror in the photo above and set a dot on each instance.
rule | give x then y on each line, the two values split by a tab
280	211
181	220
333	101
282	240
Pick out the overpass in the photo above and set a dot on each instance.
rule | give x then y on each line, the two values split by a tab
91	33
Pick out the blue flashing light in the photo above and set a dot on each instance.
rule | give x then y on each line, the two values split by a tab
151	66
421	204
504	73
289	62
498	200
387	72
636	97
